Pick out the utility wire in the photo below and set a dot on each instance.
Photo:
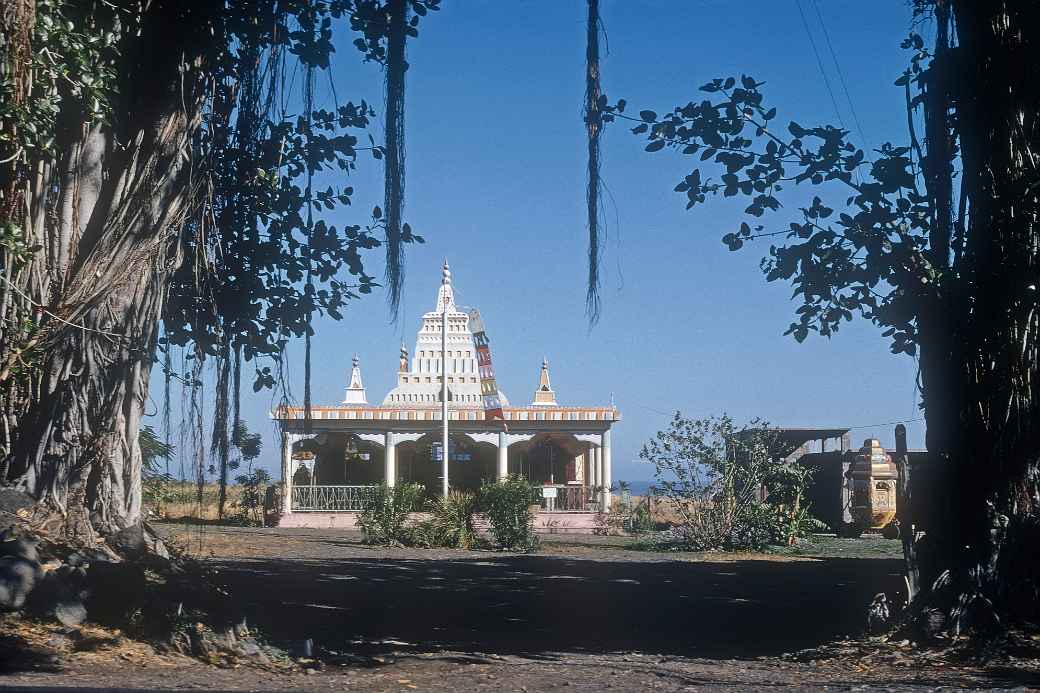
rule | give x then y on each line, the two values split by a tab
841	75
819	63
851	428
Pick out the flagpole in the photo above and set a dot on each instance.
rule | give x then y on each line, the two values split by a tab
444	387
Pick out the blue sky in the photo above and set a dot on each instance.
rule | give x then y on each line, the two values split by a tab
495	183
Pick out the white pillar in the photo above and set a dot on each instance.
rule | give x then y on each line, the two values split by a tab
286	473
390	459
594	470
606	479
503	455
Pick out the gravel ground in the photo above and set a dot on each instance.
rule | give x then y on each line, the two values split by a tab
582	614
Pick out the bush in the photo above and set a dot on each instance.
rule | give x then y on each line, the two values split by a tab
453	524
384	513
729	486
507	505
251	503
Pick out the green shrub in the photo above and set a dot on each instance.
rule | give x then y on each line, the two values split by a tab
251	503
452	525
507	505
453	520
384	513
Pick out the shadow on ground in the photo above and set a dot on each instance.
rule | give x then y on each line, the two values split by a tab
529	605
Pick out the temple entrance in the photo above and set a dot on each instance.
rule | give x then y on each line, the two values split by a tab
346	460
471	463
549	459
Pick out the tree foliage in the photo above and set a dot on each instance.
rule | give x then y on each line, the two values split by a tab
935	241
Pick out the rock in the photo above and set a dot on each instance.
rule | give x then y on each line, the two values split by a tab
249	649
115	591
70	613
54	597
129	541
11	501
21	548
18	576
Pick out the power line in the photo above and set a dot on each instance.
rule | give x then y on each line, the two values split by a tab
851	428
841	75
819	63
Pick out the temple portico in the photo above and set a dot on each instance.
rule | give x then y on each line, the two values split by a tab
565	450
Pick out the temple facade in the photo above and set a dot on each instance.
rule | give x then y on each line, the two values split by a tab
565	450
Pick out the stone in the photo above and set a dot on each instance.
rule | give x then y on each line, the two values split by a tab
18	576
70	613
249	649
115	590
129	541
56	596
21	548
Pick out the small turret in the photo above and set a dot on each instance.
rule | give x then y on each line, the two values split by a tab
355	393
544	395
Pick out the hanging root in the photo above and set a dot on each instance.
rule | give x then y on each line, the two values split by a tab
593	124
394	171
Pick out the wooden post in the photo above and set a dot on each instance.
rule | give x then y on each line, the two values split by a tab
905	515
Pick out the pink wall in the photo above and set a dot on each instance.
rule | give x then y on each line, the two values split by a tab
544	523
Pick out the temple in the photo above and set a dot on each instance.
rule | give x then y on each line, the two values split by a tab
566	450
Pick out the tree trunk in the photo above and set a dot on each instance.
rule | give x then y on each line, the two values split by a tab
107	216
979	340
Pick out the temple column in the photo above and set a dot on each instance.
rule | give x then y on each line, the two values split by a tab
605	479
390	459
287	472
503	455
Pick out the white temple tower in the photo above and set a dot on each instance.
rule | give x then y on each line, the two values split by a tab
421	384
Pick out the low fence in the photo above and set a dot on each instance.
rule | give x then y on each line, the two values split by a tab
564	498
329	498
560	498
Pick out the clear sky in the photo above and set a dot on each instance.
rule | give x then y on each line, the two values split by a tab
496	181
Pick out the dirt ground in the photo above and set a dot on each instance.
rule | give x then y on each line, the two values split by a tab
582	614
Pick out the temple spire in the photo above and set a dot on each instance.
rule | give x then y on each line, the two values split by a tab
544	395
446	294
355	393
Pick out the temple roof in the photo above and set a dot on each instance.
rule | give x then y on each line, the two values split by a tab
420	384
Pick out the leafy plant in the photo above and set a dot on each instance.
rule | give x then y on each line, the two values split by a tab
254	489
158	488
384	513
507	505
453	523
729	485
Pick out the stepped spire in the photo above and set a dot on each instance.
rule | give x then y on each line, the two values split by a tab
544	395
446	294
355	393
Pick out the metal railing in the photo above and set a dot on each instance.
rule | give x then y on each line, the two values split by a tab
568	499
328	498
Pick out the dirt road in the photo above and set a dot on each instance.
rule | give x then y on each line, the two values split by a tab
575	616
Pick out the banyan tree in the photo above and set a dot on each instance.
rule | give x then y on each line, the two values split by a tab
164	170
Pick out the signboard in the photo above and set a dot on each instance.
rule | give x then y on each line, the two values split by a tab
548	492
488	386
